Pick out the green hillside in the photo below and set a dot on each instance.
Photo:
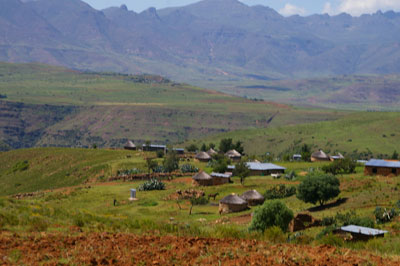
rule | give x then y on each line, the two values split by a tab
359	132
30	170
52	106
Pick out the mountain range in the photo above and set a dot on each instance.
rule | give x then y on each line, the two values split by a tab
209	42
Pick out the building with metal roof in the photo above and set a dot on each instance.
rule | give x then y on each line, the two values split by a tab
382	167
362	233
154	147
262	168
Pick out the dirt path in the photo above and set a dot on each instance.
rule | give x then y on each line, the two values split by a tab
129	249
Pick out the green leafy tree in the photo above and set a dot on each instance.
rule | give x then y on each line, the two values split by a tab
220	163
271	213
225	145
211	145
238	147
203	147
306	153
242	171
192	148
151	164
343	166
318	188
171	162
395	155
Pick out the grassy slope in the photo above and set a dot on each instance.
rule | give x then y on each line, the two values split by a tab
51	168
378	132
112	108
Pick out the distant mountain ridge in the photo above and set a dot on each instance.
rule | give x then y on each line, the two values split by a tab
212	40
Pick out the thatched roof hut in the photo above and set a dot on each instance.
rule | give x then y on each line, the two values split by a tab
130	146
233	155
202	179
232	203
253	197
203	156
319	156
211	152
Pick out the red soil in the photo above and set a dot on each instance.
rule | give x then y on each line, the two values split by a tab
129	249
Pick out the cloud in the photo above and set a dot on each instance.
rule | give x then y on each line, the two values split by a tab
359	7
289	10
328	9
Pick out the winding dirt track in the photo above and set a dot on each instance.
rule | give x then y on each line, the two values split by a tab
129	249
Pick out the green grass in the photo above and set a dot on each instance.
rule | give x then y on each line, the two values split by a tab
358	132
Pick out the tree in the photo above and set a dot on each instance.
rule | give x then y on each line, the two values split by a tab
151	164
171	162
203	147
318	188
211	145
306	153
147	143
395	155
238	147
271	213
342	166
221	163
225	145
192	148
242	171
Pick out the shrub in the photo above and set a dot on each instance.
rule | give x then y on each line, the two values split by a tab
318	188
199	201
332	240
326	221
279	192
275	234
152	184
343	166
128	172
192	148
271	213
20	166
188	168
159	169
291	176
382	215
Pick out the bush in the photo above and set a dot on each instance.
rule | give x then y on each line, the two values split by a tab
20	166
291	176
199	201
382	215
351	218
343	166
318	188
271	213
280	192
332	240
192	148
188	168
275	234
152	184
128	172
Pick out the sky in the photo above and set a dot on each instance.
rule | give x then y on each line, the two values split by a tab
285	7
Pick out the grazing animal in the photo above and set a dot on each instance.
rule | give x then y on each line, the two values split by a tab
213	195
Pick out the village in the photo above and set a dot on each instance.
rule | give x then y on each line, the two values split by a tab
236	203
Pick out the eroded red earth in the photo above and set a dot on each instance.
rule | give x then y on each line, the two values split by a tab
129	249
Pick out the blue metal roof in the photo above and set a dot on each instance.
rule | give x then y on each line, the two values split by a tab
362	230
156	146
383	163
221	175
260	166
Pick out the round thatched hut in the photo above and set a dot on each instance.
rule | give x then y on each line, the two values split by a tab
202	179
253	197
203	157
130	146
233	155
319	156
211	152
232	203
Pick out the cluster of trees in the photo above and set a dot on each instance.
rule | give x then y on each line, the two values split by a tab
170	163
224	146
342	166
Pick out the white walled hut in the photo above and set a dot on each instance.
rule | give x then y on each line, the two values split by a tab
320	156
202	179
232	203
234	155
203	157
253	197
211	152
130	146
